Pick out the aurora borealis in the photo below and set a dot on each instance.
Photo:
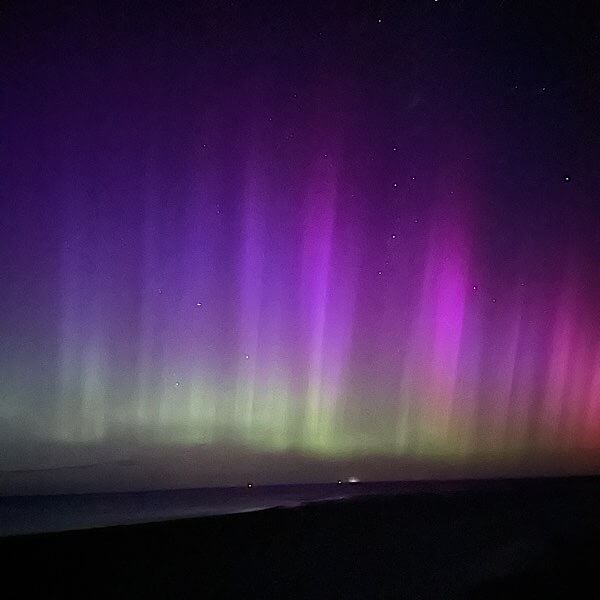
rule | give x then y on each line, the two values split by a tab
359	233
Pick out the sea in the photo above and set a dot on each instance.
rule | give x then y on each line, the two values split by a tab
21	515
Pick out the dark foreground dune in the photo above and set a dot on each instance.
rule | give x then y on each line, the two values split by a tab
535	539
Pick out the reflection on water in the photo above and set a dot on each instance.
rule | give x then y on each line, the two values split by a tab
35	514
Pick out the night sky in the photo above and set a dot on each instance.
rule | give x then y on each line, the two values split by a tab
281	243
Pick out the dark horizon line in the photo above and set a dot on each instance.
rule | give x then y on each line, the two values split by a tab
333	483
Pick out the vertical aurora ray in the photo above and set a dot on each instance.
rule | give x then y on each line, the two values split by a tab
83	366
591	415
431	369
148	322
252	292
559	362
315	281
446	285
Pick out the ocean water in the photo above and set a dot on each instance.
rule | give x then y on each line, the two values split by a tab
38	514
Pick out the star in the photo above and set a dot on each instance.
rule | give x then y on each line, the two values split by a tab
567	178
198	303
379	273
395	184
177	384
246	356
393	236
474	288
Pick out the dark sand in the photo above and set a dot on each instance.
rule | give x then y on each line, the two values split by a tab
529	538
